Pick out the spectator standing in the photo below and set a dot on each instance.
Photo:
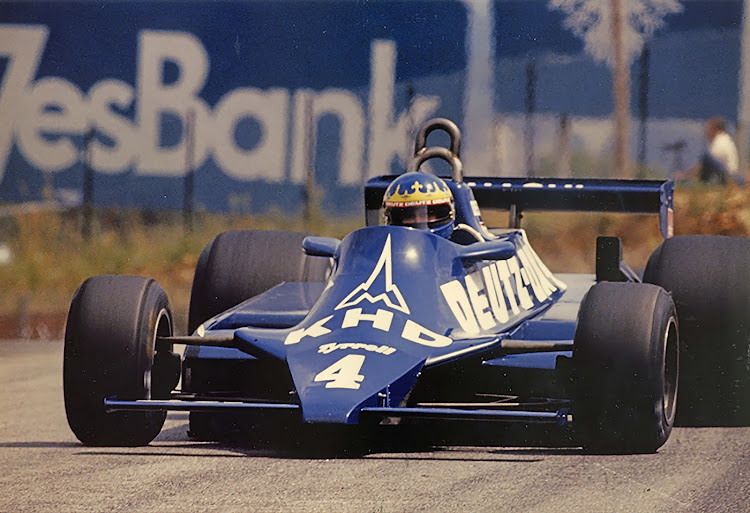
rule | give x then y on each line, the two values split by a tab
720	163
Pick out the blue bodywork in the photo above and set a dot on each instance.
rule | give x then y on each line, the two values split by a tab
403	299
403	309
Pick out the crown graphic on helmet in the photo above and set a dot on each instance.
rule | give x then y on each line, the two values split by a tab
422	201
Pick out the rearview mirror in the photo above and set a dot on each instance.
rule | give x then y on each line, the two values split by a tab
320	246
491	250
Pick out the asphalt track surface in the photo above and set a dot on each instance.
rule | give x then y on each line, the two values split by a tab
44	468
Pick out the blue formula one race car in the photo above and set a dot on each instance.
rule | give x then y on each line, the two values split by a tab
425	315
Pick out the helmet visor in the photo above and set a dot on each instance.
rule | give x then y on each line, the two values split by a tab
420	216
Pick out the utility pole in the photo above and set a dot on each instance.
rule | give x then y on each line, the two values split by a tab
621	94
479	88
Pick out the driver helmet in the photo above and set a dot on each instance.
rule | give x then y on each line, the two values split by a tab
420	200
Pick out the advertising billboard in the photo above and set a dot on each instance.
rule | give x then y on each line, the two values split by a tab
257	97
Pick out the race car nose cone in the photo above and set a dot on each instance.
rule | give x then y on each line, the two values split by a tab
334	385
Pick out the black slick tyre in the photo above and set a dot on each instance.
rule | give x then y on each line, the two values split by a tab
240	264
111	350
709	279
626	368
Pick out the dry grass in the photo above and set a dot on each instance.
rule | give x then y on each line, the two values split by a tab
51	258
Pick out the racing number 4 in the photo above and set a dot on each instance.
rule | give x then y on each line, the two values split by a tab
344	373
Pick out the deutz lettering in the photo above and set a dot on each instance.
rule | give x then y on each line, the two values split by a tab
43	116
494	293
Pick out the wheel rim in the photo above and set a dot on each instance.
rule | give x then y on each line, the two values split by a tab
163	329
671	370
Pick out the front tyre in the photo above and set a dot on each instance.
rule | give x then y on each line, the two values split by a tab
626	368
111	350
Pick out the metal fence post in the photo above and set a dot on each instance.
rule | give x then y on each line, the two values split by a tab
530	109
87	187
643	79
189	181
563	148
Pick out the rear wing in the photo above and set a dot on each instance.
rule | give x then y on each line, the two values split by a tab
519	195
581	195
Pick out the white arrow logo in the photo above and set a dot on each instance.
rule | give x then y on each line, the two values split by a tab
391	290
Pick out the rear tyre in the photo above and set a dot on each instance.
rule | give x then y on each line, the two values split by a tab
240	264
709	279
233	267
111	350
626	368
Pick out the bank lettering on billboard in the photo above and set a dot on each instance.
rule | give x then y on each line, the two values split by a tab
43	116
